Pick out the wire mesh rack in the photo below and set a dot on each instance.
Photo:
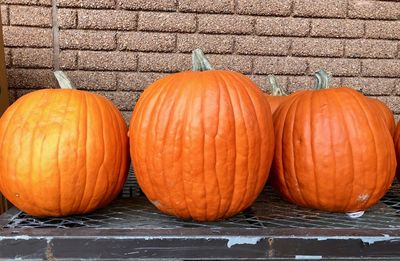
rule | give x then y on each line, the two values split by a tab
133	210
270	219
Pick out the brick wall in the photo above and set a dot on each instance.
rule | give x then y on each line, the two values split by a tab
118	47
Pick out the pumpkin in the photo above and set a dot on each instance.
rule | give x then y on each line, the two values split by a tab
202	142
277	96
62	151
333	151
385	113
397	147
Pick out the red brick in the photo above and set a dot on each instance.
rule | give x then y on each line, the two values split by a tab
393	102
31	78
397	87
326	8
31	16
362	48
12	97
32	58
154	5
44	2
17	36
236	63
87	40
15	94
317	47
127	115
260	7
67	18
7	56
374	9
337	28
207	6
398	50
164	62
282	26
280	65
208	43
381	67
107	19
263	82
4	15
126	100
371	86
262	45
338	67
143	41
296	83
68	59
93	80
107	61
123	100
27	2
383	29
226	24
137	81
167	22
87	3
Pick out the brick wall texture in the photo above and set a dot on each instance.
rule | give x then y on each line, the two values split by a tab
118	47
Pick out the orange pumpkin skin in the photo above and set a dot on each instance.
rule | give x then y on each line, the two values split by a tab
396	138
275	101
386	114
202	143
62	152
333	152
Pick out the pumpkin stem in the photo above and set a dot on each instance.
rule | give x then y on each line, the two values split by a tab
321	80
63	81
277	90
199	61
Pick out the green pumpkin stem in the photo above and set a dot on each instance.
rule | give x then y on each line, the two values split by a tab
321	80
199	61
277	90
63	81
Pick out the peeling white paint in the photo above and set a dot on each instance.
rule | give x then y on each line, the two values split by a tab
131	253
302	257
241	240
373	240
232	240
22	237
366	240
355	214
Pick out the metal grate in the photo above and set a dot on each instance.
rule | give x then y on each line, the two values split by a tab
132	210
131	187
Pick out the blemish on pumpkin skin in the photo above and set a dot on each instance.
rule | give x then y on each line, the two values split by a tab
17	195
363	197
155	203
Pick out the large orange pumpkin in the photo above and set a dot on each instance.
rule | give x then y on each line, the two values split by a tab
397	147
277	95
385	113
202	142
62	152
333	150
